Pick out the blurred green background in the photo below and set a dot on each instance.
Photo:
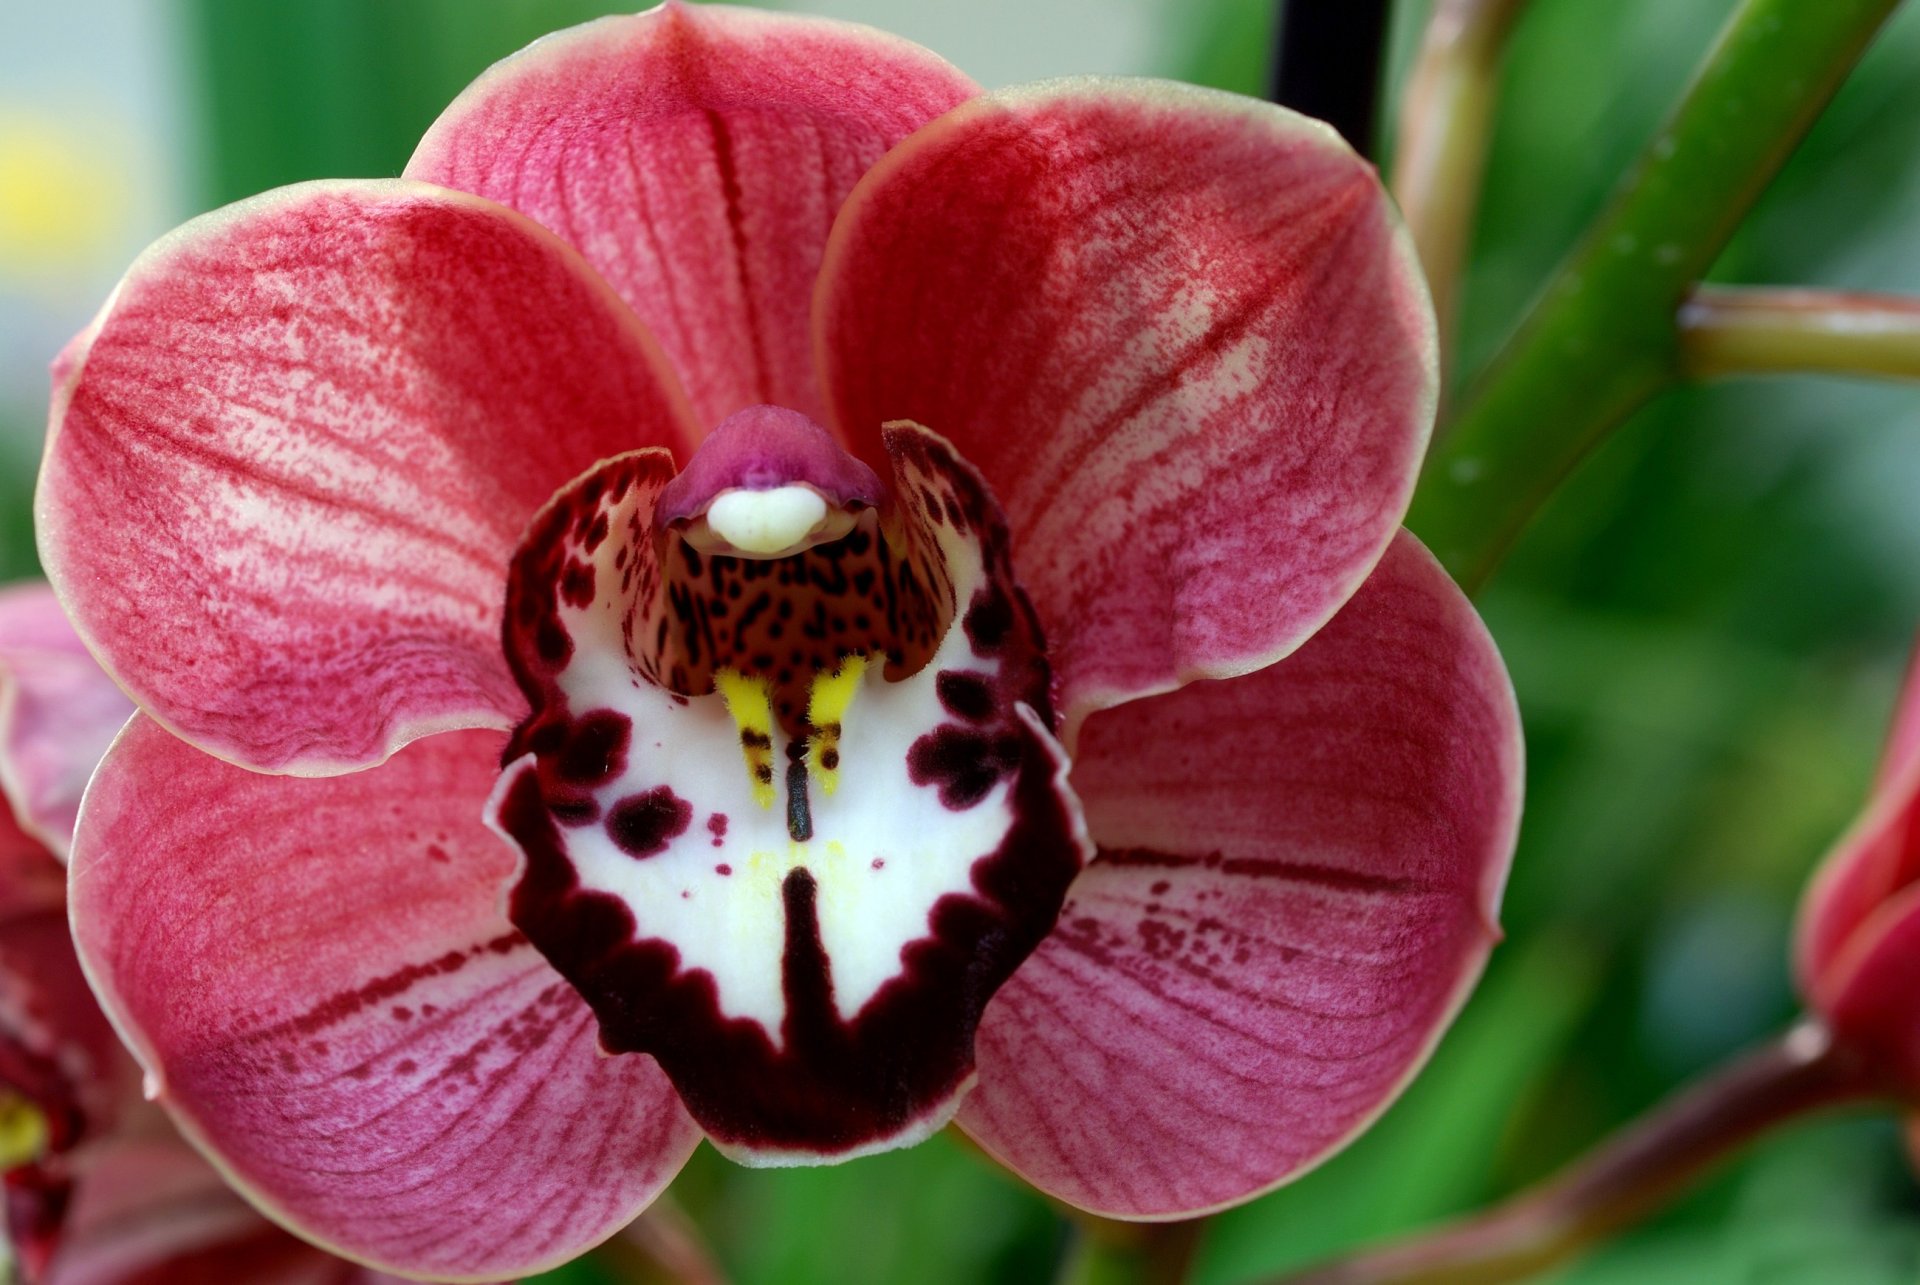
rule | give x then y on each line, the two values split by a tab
1706	627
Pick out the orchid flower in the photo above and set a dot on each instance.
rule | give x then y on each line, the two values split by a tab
928	563
1859	932
99	1189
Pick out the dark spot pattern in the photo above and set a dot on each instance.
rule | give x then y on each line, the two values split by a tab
642	825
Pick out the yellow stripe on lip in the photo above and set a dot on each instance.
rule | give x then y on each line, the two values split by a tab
826	710
751	705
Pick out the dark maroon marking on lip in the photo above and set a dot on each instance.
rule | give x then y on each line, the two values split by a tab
988	621
964	764
832	1085
723	869
879	863
643	824
717	827
966	695
577	584
596	748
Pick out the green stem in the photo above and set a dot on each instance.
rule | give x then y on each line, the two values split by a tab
1113	1253
1751	330
1602	339
1631	1175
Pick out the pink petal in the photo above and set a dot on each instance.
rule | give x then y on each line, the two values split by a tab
289	470
1183	335
58	712
1877	858
697	156
1297	887
318	979
150	1211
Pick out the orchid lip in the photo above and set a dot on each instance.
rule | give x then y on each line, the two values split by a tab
790	808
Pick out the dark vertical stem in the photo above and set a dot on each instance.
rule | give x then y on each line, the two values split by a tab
1327	62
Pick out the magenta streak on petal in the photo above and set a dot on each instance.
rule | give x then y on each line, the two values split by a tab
1183	336
362	391
697	156
362	1041
822	1074
763	447
1297	883
1293	872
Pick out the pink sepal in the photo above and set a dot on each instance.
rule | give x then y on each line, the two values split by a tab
318	979
697	155
1297	887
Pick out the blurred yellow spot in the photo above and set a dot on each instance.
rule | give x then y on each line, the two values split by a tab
752	709
827	709
23	1131
59	196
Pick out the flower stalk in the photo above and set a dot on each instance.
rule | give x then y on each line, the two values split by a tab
1757	330
1630	1176
1603	339
1445	126
1105	1252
